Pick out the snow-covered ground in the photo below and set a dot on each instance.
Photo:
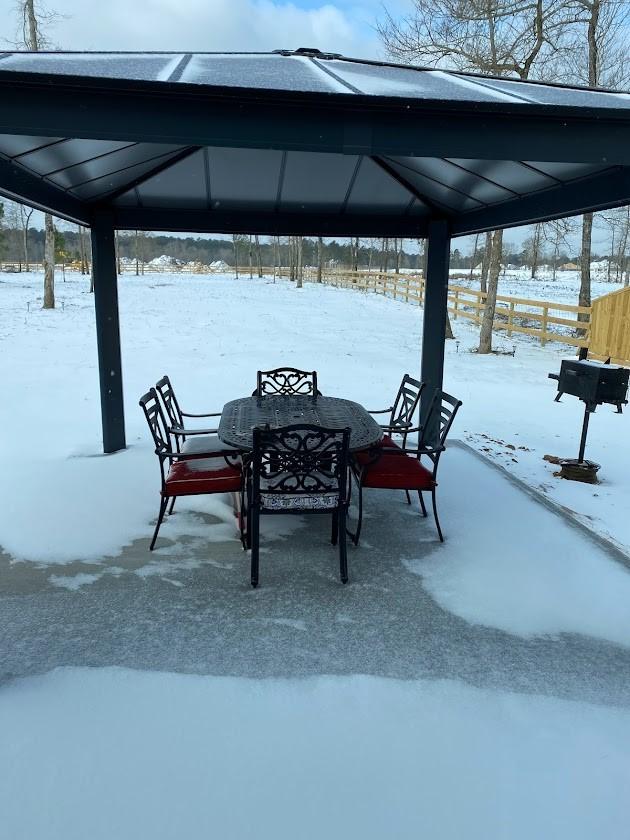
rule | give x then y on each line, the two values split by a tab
129	755
116	753
211	334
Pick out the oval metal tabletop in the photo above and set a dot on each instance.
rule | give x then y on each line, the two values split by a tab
240	417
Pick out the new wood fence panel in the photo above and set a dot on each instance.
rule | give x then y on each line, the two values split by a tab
610	327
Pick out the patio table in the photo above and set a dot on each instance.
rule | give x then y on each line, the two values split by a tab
240	417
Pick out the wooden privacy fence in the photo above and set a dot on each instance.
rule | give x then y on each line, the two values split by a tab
610	327
542	319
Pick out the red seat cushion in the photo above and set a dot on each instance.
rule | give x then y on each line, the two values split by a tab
398	472
190	478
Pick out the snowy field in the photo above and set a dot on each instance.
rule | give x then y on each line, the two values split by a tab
119	753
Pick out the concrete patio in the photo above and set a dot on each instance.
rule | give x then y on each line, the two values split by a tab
189	607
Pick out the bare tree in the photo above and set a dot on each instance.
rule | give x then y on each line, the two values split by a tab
597	57
533	249
485	334
557	233
258	255
320	258
32	25
502	37
298	268
49	264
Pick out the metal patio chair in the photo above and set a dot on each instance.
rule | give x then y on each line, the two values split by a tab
299	469
400	468
188	474
401	413
286	380
189	440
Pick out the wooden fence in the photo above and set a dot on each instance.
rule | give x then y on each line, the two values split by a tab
610	328
544	320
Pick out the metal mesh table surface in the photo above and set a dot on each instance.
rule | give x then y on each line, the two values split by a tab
240	417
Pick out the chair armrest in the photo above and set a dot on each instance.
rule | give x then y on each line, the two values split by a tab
177	430
212	414
380	411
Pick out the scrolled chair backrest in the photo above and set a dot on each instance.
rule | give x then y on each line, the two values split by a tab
167	394
300	459
286	380
442	410
150	405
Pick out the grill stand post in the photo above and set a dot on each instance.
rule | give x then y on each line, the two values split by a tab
587	415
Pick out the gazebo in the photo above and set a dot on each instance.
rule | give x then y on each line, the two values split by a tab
297	142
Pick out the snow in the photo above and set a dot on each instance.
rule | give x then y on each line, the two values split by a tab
88	507
116	753
503	577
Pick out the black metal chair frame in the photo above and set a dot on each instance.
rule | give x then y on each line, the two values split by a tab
156	419
176	415
286	380
297	462
402	411
448	407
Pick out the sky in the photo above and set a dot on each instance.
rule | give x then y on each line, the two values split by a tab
195	25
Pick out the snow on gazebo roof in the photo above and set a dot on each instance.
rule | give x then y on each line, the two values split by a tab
302	142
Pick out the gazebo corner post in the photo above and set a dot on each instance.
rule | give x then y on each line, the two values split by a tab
434	324
108	330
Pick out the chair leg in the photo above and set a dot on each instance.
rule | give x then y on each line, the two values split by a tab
422	507
170	510
163	504
408	497
343	554
335	528
357	533
437	521
254	520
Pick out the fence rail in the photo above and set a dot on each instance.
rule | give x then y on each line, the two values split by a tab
543	319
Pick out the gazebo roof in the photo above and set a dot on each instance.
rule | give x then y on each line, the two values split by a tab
302	142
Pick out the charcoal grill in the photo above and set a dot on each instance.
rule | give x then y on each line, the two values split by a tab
595	383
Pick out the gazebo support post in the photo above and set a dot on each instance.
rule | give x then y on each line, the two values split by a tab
108	330
434	326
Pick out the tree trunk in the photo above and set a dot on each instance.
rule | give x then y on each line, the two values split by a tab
485	263
49	264
320	258
385	254
536	239
585	268
25	246
449	328
474	258
251	263
299	243
117	245
258	255
485	335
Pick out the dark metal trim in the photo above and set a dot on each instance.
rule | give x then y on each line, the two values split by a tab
584	195
18	184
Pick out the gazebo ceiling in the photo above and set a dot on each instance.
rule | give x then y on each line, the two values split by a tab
302	142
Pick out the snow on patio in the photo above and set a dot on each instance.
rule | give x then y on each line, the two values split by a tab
115	753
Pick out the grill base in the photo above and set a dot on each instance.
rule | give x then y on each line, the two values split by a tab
574	470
